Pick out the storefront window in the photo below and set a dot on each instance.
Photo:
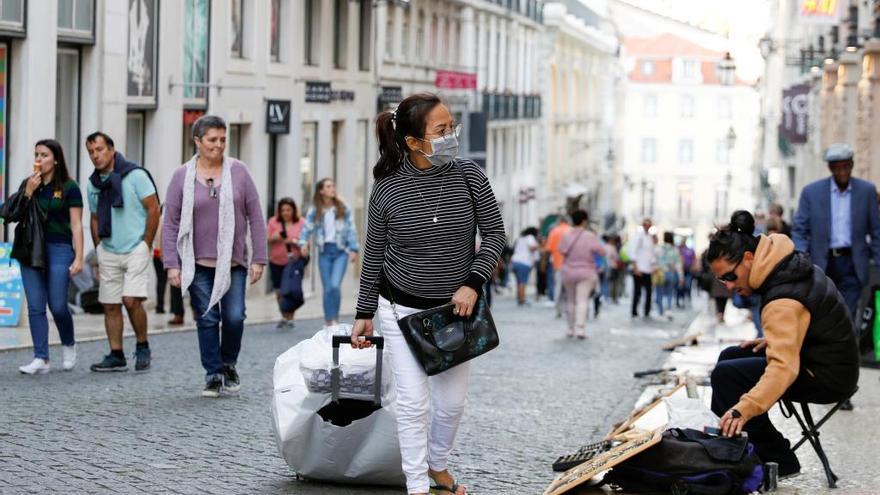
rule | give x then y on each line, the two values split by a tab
308	161
3	98
134	138
67	105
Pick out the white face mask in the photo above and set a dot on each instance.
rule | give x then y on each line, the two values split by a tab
444	148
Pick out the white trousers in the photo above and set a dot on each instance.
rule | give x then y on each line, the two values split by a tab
429	409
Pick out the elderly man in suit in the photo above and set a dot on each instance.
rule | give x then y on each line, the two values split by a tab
838	223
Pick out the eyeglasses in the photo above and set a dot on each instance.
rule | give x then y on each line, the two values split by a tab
454	130
212	191
731	275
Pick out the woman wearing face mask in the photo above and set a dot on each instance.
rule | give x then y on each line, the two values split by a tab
420	252
331	223
59	197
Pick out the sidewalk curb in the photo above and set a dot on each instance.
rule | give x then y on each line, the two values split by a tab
163	331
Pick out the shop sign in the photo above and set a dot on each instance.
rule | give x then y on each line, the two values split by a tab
322	92
448	79
278	116
795	113
823	12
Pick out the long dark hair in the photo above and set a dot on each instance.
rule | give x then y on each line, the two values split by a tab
60	175
290	202
734	239
392	128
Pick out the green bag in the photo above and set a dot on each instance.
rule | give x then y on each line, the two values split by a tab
876	326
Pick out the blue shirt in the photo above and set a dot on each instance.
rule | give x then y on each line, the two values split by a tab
841	217
130	221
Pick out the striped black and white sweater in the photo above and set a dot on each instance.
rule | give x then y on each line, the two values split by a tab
412	259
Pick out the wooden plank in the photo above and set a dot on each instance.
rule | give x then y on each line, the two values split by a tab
634	442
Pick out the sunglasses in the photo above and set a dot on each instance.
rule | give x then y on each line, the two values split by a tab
731	275
212	191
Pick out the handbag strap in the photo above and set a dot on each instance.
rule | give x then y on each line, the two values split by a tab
565	254
470	192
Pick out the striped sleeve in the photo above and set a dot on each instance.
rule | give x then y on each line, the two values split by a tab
491	228
373	257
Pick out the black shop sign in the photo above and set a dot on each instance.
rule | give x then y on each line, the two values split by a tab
278	116
322	92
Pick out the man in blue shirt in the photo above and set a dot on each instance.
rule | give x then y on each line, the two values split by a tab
124	209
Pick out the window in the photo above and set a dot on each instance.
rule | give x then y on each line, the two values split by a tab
420	36
687	106
685	201
12	15
647	209
67	101
195	54
276	22
720	203
686	151
340	34
236	29
366	36
233	140
435	34
722	152
725	110
649	150
689	69
389	31
791	175
405	35
308	162
74	19
648	68
312	31
650	108
134	138
337	136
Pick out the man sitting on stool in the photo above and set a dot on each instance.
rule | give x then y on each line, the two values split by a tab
808	353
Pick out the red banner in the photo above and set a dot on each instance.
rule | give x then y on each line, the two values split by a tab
448	79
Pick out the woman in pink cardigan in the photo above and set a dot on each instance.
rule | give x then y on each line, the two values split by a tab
579	276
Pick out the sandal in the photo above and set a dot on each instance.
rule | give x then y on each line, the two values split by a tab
442	489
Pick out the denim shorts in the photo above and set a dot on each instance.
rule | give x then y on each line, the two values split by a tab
522	271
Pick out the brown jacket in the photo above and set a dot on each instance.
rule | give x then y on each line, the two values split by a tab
785	324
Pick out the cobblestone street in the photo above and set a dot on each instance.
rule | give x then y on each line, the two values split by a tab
537	396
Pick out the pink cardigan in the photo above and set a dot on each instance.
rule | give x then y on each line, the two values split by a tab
579	247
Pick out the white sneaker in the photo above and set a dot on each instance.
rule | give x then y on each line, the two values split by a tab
69	354
37	366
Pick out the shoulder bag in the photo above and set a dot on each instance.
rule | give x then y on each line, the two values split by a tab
291	277
440	339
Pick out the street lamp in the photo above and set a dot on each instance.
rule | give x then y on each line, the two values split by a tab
731	138
727	70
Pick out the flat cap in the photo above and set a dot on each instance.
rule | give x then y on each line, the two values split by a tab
838	152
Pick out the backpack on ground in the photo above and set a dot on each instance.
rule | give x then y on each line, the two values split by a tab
690	462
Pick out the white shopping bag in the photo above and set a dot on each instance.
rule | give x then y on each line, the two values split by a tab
362	446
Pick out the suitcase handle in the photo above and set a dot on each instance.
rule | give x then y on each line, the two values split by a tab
379	342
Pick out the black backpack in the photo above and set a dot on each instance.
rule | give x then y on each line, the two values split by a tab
690	462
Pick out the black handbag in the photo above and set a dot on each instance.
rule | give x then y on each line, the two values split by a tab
29	247
441	340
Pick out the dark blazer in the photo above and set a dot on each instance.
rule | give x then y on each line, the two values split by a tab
811	230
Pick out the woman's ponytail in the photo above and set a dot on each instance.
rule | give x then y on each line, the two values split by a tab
390	153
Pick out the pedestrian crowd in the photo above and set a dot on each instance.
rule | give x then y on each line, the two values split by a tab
212	259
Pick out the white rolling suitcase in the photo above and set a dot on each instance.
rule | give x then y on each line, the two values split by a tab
336	422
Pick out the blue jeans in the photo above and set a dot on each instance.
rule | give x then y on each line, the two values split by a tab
218	345
332	263
666	291
551	281
50	287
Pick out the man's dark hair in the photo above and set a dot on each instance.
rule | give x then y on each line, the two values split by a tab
669	238
93	137
579	216
735	239
205	122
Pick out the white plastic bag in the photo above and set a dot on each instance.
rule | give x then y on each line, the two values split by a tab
689	413
366	451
